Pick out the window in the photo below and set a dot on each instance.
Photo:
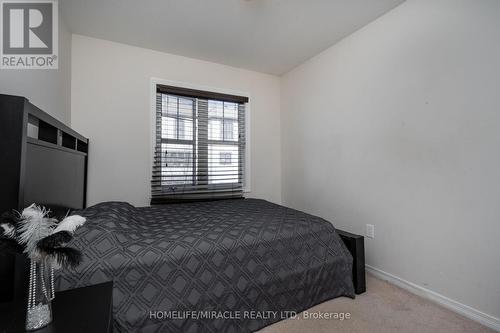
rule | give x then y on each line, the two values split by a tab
200	145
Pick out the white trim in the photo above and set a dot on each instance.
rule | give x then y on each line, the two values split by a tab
465	310
152	125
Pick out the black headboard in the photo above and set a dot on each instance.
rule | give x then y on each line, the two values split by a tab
42	161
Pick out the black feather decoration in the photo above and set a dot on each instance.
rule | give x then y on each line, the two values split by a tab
55	240
8	220
9	217
8	241
9	246
65	256
7	230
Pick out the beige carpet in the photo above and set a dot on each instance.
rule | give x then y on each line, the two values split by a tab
383	308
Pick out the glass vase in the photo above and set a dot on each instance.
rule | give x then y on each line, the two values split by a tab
40	295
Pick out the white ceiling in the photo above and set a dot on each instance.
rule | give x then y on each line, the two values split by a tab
270	36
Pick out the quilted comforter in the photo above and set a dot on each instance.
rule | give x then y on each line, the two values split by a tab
223	266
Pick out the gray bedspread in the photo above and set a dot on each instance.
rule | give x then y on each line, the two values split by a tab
215	260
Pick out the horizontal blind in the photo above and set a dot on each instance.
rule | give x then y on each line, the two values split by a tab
200	146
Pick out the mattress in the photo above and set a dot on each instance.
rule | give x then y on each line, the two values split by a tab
220	266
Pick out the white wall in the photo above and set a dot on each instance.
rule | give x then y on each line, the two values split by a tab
398	125
49	89
111	106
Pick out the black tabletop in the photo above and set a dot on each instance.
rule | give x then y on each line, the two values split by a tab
80	310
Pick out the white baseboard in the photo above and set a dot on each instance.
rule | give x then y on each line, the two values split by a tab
464	310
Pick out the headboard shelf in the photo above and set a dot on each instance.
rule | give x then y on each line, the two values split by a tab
47	132
50	145
82	146
68	141
48	119
44	128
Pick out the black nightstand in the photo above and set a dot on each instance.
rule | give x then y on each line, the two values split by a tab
81	310
356	245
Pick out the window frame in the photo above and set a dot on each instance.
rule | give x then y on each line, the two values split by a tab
247	160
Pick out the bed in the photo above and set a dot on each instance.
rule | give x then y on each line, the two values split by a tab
217	258
238	264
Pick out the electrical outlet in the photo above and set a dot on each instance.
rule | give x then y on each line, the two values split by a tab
370	231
